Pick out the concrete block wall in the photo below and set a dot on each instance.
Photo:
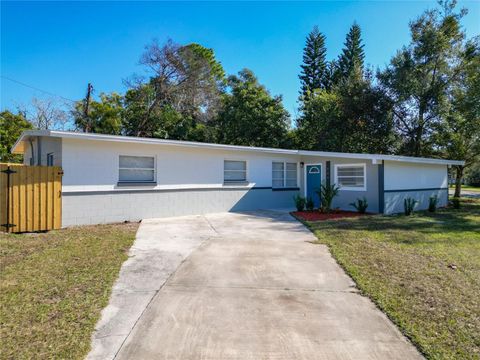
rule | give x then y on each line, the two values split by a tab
86	208
394	201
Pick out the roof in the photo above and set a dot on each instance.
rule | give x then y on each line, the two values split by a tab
18	147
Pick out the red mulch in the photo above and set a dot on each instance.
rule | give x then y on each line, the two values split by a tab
318	216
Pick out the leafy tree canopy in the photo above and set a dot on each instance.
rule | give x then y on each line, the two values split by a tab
250	115
11	127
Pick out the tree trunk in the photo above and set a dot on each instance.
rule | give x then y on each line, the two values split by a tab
458	180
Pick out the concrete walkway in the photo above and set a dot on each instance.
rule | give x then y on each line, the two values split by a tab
253	287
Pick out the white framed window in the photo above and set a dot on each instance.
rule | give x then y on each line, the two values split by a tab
136	169
234	171
284	174
351	177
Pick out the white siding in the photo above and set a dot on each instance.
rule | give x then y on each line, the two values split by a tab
403	176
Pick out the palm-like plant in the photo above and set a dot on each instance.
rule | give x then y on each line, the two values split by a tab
327	193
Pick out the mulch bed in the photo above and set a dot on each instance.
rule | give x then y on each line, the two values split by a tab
319	216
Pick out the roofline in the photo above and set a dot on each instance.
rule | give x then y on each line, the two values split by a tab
191	144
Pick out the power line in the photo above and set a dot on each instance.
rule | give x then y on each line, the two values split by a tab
37	89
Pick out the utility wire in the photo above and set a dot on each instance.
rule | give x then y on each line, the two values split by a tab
35	88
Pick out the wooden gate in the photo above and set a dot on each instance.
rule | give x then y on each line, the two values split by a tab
30	198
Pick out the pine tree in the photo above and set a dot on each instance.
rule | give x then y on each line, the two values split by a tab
314	64
350	61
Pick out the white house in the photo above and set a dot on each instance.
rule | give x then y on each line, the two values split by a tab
115	178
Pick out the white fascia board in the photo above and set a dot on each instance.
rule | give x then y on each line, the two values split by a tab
191	144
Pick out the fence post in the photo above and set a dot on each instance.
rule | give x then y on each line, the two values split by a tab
8	225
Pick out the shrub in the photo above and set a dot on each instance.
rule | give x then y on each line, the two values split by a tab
326	194
432	203
309	204
456	203
408	205
361	205
299	202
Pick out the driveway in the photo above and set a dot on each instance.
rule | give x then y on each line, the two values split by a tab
246	286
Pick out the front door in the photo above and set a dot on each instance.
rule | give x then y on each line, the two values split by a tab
314	180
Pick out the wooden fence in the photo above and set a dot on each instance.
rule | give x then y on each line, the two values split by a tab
30	198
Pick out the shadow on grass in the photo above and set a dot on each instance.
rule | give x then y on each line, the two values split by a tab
420	226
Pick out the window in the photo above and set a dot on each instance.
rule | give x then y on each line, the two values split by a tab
351	177
284	174
234	171
50	159
136	169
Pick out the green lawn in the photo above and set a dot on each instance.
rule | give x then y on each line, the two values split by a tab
467	187
422	271
54	285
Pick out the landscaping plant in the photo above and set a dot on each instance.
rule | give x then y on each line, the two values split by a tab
408	205
432	203
327	193
299	202
309	204
361	205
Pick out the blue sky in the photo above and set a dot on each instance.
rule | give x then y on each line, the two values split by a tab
61	46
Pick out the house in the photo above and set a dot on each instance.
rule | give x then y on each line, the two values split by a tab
115	178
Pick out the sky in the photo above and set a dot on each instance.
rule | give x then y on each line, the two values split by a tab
59	47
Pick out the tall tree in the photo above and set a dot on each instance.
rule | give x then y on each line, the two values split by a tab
459	135
350	61
314	65
420	76
11	127
250	116
104	116
183	90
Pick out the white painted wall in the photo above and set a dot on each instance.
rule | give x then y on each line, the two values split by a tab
403	176
93	165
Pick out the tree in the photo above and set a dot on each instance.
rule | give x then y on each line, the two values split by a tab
181	96
250	116
11	127
420	76
354	116
350	62
314	67
459	135
104	116
47	114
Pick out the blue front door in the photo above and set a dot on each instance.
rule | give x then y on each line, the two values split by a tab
314	180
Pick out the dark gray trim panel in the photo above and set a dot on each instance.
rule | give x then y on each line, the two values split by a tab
409	190
381	187
146	183
285	189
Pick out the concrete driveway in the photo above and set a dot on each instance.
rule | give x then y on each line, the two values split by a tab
247	286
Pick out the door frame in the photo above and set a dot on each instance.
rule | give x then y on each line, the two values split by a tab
305	176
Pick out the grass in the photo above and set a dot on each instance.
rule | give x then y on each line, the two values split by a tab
423	271
53	287
468	188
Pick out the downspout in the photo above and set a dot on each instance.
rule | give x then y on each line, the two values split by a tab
39	151
32	160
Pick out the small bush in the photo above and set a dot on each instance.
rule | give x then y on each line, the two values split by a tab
309	204
456	203
299	202
326	194
408	205
361	205
432	203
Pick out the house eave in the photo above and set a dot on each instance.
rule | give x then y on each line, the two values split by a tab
18	147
